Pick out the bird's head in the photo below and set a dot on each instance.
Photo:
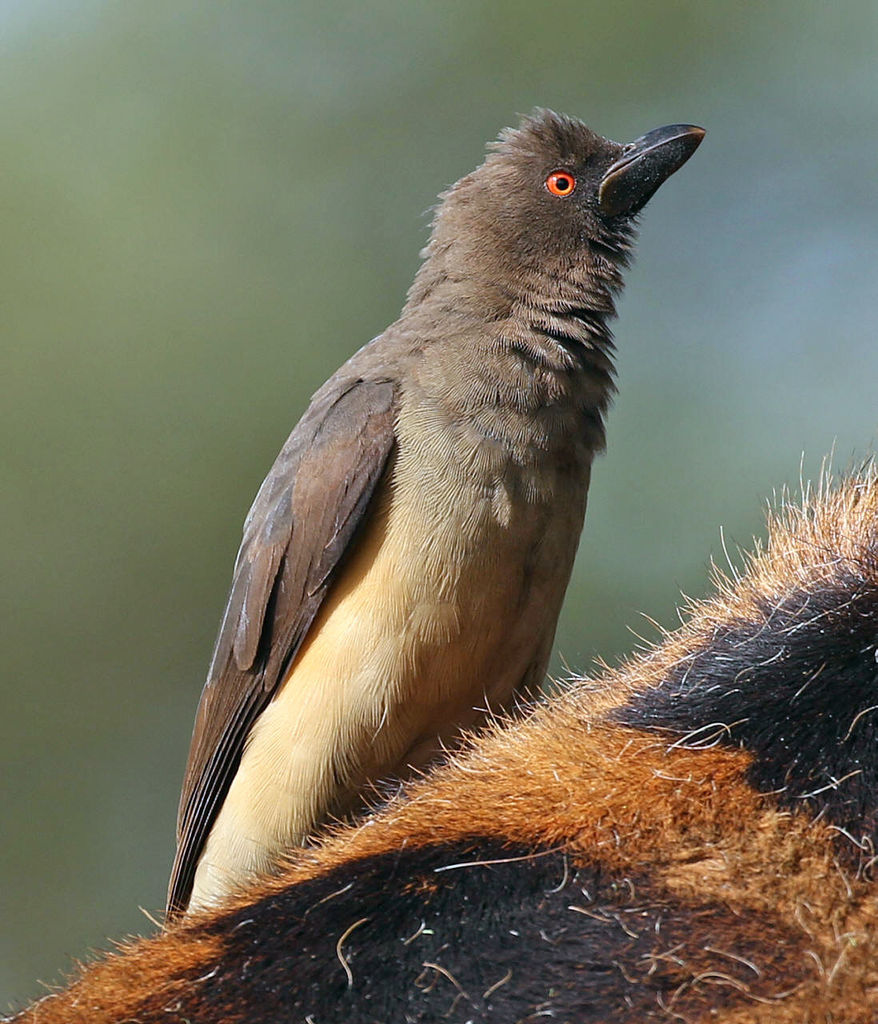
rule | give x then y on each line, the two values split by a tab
555	197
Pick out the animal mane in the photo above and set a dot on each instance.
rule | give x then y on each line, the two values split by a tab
688	837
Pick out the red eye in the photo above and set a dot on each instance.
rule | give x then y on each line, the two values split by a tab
560	183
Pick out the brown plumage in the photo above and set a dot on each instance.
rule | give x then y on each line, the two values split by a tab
404	563
690	837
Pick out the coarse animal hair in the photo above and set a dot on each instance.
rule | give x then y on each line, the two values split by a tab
686	838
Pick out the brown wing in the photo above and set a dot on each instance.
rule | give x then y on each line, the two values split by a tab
302	520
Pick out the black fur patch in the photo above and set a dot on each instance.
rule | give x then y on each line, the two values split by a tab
799	690
428	935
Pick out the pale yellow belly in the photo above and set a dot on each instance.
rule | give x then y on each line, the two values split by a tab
397	662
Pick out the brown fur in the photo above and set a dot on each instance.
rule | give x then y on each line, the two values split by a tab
774	923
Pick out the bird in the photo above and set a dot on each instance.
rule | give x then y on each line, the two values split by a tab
403	565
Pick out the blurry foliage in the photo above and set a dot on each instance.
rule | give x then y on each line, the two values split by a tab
205	208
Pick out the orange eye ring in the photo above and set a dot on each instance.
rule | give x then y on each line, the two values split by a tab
561	183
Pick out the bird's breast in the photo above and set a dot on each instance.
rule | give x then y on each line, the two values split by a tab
452	589
445	604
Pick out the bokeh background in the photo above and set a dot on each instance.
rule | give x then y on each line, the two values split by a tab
204	208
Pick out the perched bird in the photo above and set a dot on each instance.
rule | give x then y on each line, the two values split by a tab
404	562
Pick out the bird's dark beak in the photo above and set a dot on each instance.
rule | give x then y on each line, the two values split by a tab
644	165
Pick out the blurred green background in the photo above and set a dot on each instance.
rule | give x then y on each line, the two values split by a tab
204	208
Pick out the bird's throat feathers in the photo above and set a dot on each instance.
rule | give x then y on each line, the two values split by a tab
539	341
538	359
